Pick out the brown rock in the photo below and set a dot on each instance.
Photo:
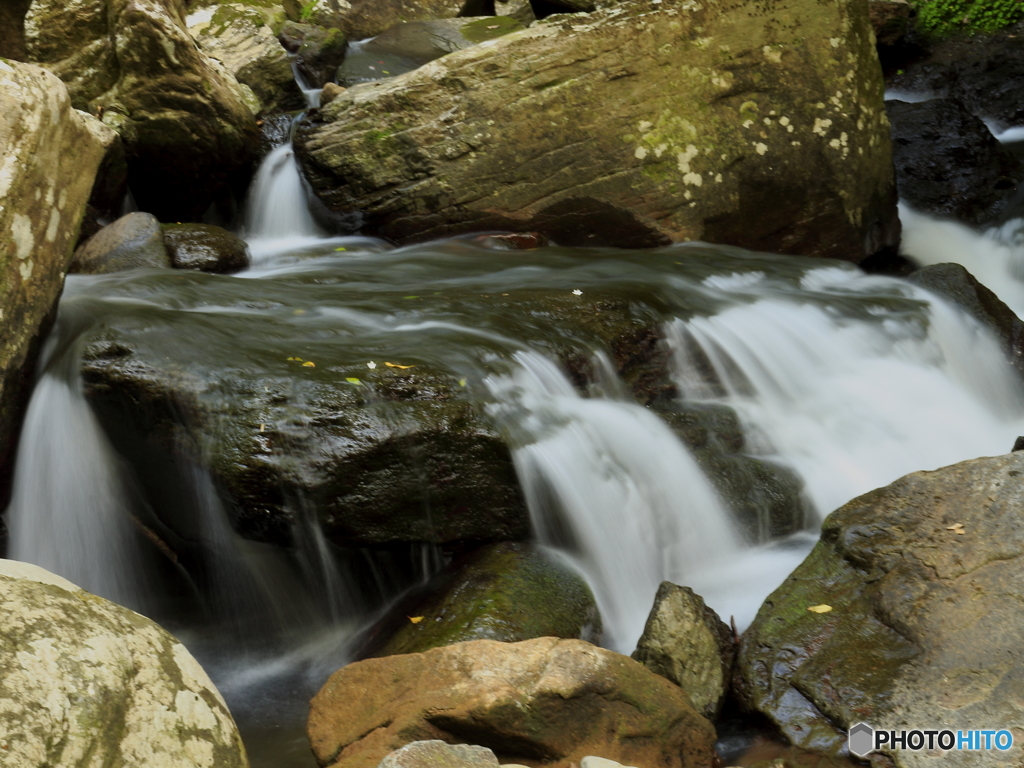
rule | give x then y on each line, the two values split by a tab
543	702
889	19
632	126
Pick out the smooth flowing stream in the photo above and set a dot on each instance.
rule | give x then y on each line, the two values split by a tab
849	380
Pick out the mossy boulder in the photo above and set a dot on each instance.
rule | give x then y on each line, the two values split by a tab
188	131
87	681
635	125
508	592
359	19
205	247
318	50
243	37
52	154
905	615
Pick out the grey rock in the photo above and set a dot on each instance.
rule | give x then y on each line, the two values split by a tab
439	754
133	241
685	641
205	247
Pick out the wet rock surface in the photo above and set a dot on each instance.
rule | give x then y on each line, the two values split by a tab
205	247
686	642
359	19
507	592
318	51
546	702
586	138
52	154
149	702
948	163
916	616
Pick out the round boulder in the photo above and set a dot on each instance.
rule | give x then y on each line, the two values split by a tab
205	247
130	242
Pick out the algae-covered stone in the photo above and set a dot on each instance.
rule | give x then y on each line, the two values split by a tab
87	682
131	242
634	125
51	156
685	641
243	37
508	592
916	590
359	19
184	119
205	247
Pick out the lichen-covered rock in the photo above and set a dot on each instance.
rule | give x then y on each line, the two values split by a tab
438	754
133	241
243	37
318	51
545	702
917	594
51	155
634	125
89	682
184	119
948	163
359	19
205	247
686	642
508	592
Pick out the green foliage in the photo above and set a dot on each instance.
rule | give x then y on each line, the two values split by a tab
306	13
947	17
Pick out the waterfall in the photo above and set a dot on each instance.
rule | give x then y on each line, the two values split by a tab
610	483
853	404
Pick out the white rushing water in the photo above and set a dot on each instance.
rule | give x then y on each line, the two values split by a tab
994	256
611	483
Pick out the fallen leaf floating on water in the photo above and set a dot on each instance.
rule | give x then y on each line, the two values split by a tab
371	365
577	292
340	248
294	359
415	619
820	608
262	427
309	364
957	528
354	380
462	382
396	365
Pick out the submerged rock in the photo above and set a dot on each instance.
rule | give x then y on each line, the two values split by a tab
184	119
948	163
205	247
51	156
133	241
906	615
507	592
89	682
634	126
686	642
545	702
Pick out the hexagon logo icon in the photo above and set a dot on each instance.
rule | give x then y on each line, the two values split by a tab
862	739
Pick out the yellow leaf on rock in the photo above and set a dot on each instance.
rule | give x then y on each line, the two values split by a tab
309	364
415	619
957	528
396	365
820	608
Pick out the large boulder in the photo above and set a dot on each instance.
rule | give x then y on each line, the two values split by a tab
948	163
545	702
133	241
686	642
87	682
184	119
635	125
243	37
906	615
359	19
508	591
51	154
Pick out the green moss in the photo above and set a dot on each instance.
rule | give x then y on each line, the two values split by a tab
942	18
489	28
306	12
378	136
